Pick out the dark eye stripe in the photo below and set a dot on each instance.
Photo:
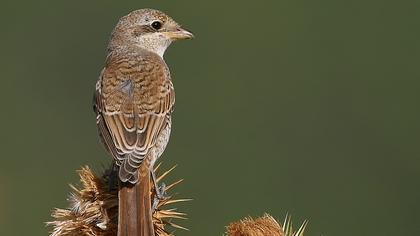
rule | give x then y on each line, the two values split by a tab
142	29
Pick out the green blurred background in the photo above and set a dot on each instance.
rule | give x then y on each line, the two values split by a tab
307	107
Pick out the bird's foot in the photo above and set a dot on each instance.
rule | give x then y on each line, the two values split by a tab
160	195
161	192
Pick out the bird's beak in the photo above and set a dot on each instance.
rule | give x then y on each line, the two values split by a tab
179	33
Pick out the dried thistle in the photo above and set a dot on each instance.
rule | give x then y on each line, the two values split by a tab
288	229
264	226
93	209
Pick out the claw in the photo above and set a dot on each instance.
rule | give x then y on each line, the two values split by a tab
160	192
160	195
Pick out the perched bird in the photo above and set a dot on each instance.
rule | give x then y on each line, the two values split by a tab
133	102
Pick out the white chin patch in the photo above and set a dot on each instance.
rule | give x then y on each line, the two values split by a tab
155	42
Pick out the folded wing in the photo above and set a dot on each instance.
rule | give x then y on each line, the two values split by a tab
133	103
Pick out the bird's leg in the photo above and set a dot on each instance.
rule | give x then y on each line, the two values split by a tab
160	192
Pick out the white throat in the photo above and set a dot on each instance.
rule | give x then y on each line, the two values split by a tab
154	42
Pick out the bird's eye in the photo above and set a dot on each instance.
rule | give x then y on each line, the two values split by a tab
156	25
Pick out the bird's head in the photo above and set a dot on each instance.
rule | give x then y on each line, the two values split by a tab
149	29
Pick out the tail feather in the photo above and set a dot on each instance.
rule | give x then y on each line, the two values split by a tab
135	212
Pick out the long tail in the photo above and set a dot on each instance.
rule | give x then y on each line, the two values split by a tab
134	211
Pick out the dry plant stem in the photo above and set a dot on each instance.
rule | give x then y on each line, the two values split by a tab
135	212
93	207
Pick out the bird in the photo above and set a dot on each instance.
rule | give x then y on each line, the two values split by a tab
133	101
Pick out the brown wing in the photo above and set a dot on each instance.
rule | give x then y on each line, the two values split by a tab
135	98
104	134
